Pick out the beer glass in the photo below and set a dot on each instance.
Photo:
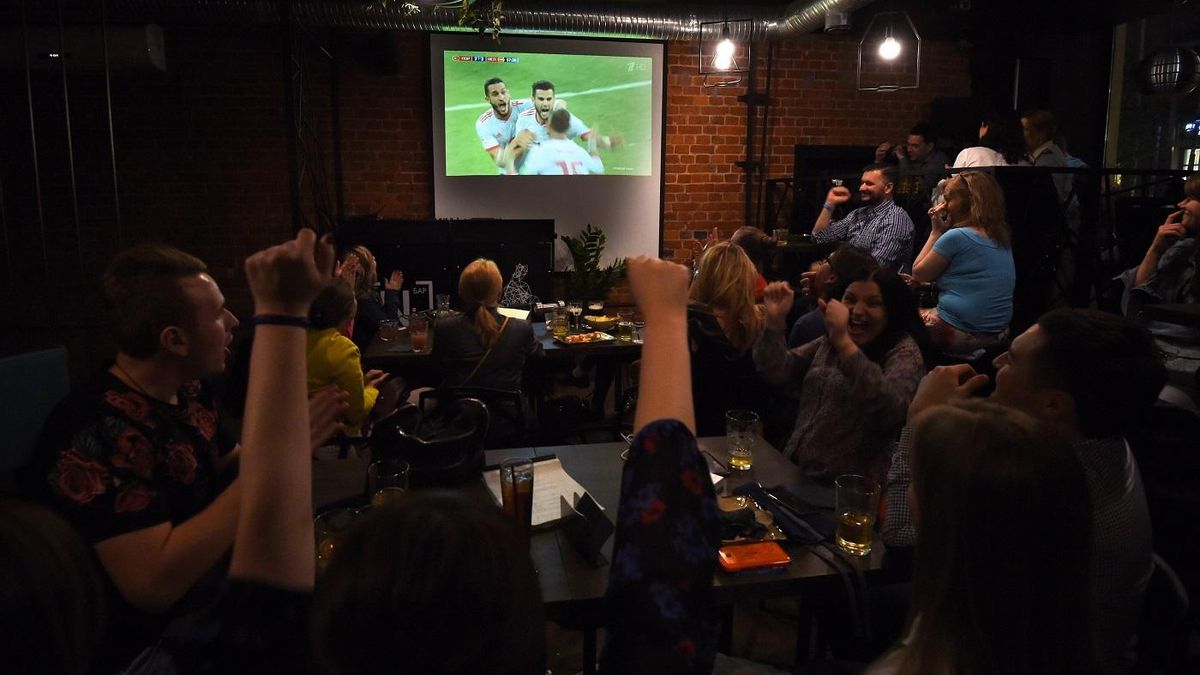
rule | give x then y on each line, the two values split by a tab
516	492
326	528
742	429
625	325
418	332
562	325
575	307
387	479
857	502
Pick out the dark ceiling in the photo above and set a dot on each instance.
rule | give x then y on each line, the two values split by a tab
974	20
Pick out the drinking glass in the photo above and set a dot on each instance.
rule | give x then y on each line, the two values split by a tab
443	304
857	502
742	429
625	325
387	480
595	307
516	492
575	307
562	325
326	528
418	332
781	235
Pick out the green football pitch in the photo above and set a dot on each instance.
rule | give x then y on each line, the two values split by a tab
610	94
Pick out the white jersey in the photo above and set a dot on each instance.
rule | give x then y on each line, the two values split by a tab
530	120
496	133
560	157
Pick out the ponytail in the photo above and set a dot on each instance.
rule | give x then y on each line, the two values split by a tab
486	326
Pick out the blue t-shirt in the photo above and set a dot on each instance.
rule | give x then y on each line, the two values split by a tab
976	290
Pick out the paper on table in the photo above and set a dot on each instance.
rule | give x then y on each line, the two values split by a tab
522	314
550	483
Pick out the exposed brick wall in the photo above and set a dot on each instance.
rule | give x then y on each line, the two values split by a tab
813	100
202	159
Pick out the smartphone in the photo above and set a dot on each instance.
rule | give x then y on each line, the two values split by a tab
759	556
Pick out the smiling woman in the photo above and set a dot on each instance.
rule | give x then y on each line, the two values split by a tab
856	382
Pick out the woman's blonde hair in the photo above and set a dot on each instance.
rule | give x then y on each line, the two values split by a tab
725	281
986	203
370	276
479	288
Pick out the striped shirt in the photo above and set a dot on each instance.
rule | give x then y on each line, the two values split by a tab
884	229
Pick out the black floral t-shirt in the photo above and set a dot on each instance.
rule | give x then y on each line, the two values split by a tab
118	461
112	460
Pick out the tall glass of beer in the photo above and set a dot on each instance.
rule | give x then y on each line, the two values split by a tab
857	502
742	429
516	492
418	332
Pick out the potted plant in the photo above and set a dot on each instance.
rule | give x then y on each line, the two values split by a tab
589	281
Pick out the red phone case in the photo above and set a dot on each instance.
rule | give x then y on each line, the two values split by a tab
759	555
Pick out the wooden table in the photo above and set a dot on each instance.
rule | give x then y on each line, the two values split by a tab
572	588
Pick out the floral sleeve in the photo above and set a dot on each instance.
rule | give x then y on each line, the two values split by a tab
659	603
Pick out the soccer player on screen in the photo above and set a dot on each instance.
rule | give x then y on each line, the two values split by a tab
497	126
533	124
559	155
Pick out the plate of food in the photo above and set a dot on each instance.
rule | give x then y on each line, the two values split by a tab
585	338
600	322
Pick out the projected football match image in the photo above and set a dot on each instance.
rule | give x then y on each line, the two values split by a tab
510	113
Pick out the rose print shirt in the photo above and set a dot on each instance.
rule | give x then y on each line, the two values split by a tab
112	460
123	461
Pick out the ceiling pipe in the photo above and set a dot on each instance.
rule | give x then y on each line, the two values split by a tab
658	22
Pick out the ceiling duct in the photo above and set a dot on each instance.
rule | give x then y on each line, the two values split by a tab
653	21
837	22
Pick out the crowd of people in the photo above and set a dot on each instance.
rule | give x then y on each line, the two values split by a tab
152	540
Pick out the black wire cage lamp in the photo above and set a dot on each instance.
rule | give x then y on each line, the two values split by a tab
724	51
889	54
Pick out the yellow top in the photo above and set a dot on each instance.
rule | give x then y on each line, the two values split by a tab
334	359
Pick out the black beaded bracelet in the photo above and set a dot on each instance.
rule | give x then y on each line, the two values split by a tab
279	320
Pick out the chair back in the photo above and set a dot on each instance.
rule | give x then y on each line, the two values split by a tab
1162	635
442	449
1164	445
33	384
507	427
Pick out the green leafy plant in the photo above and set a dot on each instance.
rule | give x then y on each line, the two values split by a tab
590	281
484	16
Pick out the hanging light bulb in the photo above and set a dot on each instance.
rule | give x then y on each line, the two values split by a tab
889	48
725	49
